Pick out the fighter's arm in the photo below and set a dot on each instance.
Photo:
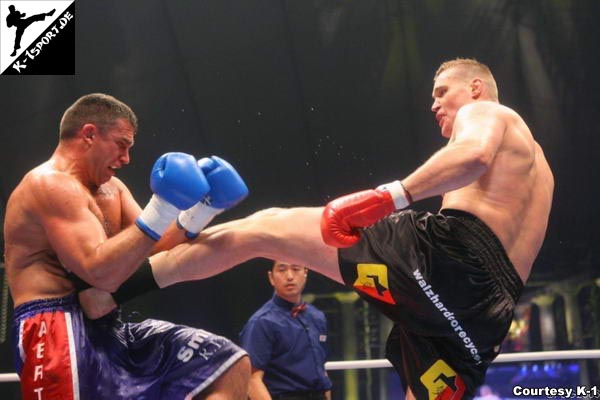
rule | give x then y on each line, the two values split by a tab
97	302
227	189
76	234
256	387
130	210
78	238
477	134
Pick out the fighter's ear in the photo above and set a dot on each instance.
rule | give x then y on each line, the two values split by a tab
476	88
88	133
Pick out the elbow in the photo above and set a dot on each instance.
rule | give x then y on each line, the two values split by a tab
111	288
95	275
102	281
107	284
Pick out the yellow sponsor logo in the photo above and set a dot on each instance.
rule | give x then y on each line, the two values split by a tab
442	382
373	280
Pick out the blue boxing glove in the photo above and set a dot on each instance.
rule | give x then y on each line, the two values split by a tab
178	183
227	188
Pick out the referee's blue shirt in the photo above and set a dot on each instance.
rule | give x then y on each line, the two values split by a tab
291	351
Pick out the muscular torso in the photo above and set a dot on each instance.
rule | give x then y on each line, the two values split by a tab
32	267
514	196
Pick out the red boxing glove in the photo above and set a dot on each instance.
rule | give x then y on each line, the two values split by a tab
344	215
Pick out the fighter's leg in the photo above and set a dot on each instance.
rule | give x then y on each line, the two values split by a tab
38	17
22	25
232	385
294	235
291	235
18	36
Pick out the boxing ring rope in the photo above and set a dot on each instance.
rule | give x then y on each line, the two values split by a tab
502	358
383	363
9	378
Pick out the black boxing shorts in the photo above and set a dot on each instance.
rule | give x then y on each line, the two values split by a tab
450	289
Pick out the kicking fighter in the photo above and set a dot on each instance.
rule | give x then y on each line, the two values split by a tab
72	218
17	19
449	281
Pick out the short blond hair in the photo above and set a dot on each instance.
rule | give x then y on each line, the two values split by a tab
471	68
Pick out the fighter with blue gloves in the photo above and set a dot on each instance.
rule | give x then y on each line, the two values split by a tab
71	223
226	189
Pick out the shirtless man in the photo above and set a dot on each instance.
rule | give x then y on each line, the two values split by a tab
71	217
449	281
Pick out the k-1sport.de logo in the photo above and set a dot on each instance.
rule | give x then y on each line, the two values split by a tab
37	37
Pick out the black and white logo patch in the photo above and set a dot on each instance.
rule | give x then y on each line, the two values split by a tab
37	37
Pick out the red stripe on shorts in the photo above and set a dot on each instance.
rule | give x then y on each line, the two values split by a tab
46	373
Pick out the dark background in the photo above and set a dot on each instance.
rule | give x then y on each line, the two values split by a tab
311	99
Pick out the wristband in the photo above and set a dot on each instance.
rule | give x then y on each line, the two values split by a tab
400	195
142	281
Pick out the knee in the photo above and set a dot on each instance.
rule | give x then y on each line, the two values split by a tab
264	228
265	232
261	227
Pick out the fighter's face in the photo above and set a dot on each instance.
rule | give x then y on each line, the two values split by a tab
111	150
451	91
288	281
